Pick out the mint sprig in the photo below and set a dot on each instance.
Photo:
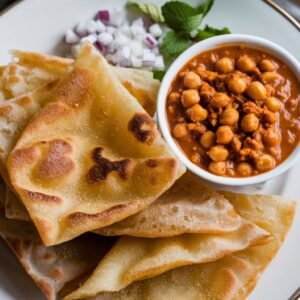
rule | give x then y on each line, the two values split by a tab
181	16
209	32
205	7
173	44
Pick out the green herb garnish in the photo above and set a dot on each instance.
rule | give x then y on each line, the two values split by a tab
152	10
173	44
157	74
209	31
181	16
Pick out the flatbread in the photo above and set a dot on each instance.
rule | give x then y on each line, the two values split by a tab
18	79
14	116
132	259
52	267
33	69
14	208
88	162
28	78
141	85
230	278
187	207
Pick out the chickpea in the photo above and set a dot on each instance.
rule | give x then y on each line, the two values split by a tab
174	97
256	90
230	116
191	80
224	65
271	137
246	64
208	139
267	65
273	104
180	130
197	113
244	169
200	69
217	167
236	144
249	123
224	135
237	85
270	117
220	100
218	153
190	98
207	91
264	162
270	77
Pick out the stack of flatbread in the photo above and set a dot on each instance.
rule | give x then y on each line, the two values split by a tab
95	205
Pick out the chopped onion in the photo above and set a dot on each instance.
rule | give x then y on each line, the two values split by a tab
110	29
105	38
91	26
100	46
71	37
117	18
138	22
136	62
155	51
150	41
136	48
155	30
148	59
89	39
124	56
125	29
159	63
125	53
120	38
103	15
128	44
137	29
100	27
80	29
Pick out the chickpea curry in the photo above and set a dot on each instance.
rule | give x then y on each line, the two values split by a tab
234	111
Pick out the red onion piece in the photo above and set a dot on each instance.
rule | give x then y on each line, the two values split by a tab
150	41
103	15
100	47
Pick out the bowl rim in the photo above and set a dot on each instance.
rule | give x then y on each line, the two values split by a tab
211	43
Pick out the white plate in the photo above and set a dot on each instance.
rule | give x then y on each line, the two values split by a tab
39	25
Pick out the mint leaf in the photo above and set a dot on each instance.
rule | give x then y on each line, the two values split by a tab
152	10
205	7
173	44
181	16
158	74
209	32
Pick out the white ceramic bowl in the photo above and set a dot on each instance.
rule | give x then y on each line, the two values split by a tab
248	40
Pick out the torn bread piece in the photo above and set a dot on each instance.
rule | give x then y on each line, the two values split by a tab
89	163
187	207
230	278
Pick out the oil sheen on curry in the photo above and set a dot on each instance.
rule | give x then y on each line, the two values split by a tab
234	111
